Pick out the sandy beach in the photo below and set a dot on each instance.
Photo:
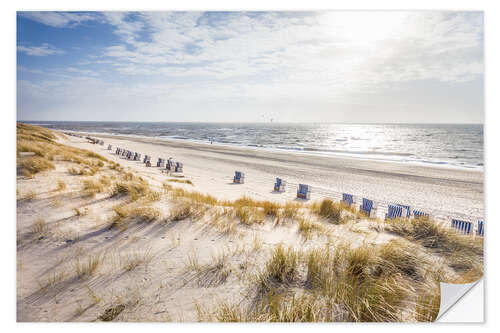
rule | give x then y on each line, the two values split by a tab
444	192
103	238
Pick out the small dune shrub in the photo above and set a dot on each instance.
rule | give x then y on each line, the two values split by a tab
330	210
33	165
91	187
60	185
281	268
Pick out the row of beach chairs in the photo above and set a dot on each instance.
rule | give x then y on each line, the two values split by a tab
369	207
169	165
73	134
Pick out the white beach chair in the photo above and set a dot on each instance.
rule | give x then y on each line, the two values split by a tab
347	199
394	212
160	163
279	186
304	191
368	207
407	210
464	227
239	177
178	167
480	228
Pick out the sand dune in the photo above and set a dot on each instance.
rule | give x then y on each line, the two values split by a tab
89	250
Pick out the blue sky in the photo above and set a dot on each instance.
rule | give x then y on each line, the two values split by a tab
251	66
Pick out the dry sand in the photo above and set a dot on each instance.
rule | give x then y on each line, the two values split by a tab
166	286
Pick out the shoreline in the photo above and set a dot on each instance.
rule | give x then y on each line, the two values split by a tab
311	153
444	192
372	156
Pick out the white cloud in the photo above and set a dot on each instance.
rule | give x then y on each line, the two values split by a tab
317	48
39	51
59	19
324	62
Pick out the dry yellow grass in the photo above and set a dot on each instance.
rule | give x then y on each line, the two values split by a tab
32	165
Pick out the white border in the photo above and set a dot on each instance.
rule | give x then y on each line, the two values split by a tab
8	113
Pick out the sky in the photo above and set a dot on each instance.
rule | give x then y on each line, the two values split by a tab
324	66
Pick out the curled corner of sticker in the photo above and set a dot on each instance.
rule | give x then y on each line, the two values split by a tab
451	294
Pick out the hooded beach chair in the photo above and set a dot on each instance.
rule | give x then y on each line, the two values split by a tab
480	228
146	159
178	167
137	157
368	207
406	210
419	214
304	191
279	186
117	151
347	199
170	165
160	163
110	147
101	143
124	152
464	227
394	212
129	155
239	177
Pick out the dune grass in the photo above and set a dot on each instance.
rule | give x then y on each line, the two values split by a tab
39	227
281	268
32	165
91	187
363	284
43	144
124	215
131	261
181	181
462	252
88	267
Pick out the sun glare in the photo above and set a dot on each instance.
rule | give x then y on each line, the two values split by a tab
365	27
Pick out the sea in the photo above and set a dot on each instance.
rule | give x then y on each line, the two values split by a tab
448	145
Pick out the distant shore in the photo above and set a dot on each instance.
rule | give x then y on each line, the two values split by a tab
444	192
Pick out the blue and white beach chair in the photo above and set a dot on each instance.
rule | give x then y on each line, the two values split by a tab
129	155
347	199
124	152
304	191
279	186
368	207
117	151
394	212
407	209
480	228
464	227
160	163
110	147
419	214
239	177
146	158
137	157
101	143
